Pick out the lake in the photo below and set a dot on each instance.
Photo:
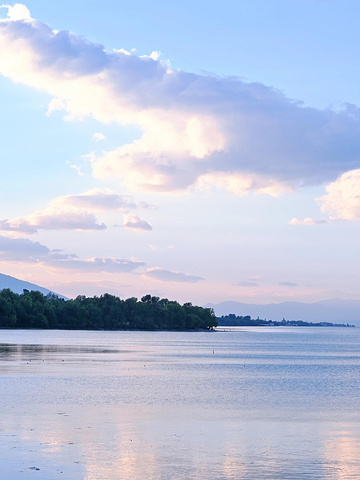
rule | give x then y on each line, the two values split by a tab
251	403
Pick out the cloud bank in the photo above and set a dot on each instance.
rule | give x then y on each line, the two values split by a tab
76	212
196	130
24	250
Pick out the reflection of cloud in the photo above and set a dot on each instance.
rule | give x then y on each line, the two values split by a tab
168	276
288	284
195	128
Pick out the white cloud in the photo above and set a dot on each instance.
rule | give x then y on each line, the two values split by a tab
55	105
195	129
155	55
342	200
135	222
77	168
74	212
98	136
306	221
242	184
52	219
162	275
17	12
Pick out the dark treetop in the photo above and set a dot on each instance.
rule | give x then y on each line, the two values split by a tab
32	309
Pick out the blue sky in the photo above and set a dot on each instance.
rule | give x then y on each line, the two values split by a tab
198	151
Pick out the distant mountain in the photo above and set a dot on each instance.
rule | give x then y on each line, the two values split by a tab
17	286
334	311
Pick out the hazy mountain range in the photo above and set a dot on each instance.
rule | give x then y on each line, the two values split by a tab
334	310
18	286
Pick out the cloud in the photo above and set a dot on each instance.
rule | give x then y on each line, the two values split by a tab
342	200
24	250
168	276
17	12
73	212
99	136
55	105
97	199
21	249
245	284
135	222
96	264
196	130
241	184
307	221
51	219
288	284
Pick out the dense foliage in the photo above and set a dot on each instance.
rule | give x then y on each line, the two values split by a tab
32	309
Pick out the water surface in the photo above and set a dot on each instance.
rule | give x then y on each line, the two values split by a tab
251	403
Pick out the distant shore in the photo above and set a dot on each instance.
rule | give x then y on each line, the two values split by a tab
232	320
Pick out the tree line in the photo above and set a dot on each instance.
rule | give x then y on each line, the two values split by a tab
32	309
233	320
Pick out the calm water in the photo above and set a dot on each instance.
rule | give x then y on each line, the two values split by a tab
252	404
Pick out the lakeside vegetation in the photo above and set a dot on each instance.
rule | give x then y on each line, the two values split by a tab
232	320
32	309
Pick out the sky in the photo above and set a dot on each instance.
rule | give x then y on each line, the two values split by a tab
198	151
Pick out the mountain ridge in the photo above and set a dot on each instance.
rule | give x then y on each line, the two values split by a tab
17	286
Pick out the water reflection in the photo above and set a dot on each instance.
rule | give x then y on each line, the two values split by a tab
10	352
342	451
133	444
163	406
